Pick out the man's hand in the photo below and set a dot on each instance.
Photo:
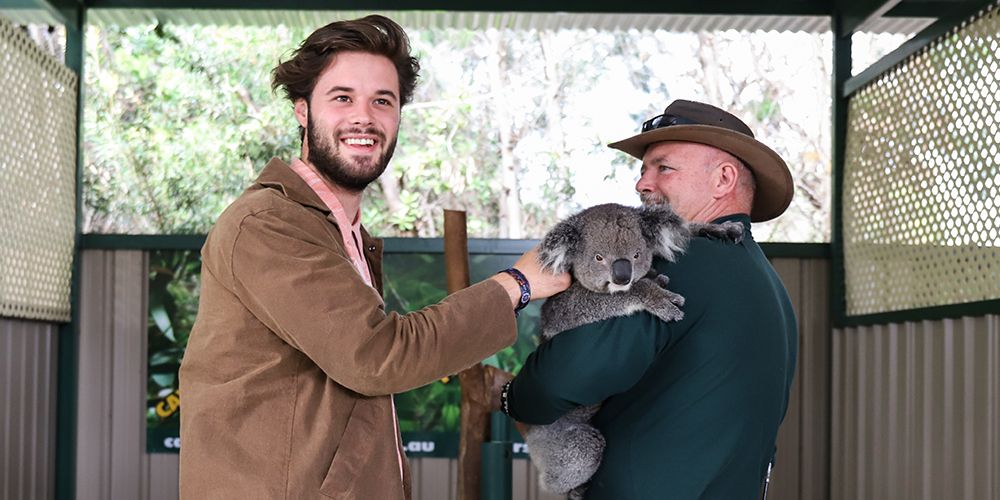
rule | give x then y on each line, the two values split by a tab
496	378
543	283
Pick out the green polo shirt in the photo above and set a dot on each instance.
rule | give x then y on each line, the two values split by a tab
690	408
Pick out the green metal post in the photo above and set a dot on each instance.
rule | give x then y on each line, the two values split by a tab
497	458
68	355
841	73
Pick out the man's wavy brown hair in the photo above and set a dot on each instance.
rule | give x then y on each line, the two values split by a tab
373	34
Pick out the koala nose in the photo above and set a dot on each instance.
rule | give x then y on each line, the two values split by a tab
621	271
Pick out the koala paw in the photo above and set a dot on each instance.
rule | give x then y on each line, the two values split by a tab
675	299
662	281
730	230
668	311
577	493
655	297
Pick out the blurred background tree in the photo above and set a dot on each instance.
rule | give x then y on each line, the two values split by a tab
508	125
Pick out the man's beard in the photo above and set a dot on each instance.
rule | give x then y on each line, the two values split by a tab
653	199
350	174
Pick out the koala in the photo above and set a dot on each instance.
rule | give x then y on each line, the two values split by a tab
609	250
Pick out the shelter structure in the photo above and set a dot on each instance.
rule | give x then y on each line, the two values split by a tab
897	393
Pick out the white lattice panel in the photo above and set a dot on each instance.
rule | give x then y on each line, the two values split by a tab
37	179
922	177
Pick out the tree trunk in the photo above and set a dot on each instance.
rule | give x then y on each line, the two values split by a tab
510	200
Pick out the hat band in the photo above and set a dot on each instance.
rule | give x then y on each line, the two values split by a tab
665	120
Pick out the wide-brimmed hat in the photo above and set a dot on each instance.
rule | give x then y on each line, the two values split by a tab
690	121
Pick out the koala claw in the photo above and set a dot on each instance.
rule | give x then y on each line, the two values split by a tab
733	231
662	280
676	299
656	297
668	312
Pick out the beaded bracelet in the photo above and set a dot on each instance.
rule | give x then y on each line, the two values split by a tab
504	392
522	282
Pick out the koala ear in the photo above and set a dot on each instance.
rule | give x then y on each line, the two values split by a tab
560	245
663	230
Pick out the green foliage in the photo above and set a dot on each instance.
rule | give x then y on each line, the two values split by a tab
412	281
510	126
174	281
180	119
178	123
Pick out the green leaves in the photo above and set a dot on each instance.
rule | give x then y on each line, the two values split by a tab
510	126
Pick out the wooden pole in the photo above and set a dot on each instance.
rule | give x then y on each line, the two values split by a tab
475	413
456	251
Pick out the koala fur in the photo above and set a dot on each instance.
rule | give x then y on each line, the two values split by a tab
609	251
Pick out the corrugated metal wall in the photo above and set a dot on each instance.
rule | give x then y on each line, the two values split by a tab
111	459
916	412
27	409
111	462
802	467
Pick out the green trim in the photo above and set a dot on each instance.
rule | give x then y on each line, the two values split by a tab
923	8
476	246
956	15
842	61
728	7
974	309
143	242
405	245
841	73
68	356
391	245
796	250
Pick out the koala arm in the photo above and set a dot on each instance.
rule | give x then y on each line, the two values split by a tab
578	306
606	358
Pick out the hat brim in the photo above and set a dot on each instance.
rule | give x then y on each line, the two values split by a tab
774	181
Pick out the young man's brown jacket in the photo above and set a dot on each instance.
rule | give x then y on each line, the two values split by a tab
287	380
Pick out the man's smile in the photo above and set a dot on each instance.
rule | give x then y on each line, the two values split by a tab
360	143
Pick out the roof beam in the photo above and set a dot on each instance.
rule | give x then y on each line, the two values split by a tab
854	13
923	9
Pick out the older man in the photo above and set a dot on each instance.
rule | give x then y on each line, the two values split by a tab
691	409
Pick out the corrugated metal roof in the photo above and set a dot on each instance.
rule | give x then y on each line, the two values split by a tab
29	16
480	20
471	20
903	25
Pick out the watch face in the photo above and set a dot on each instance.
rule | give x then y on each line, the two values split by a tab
525	298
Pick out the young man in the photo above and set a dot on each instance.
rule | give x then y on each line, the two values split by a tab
291	366
690	408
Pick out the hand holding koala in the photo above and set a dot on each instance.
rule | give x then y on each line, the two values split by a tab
609	251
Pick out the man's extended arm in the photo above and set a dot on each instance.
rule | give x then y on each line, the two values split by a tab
294	281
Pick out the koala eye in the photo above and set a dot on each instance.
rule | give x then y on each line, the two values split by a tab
599	258
636	256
